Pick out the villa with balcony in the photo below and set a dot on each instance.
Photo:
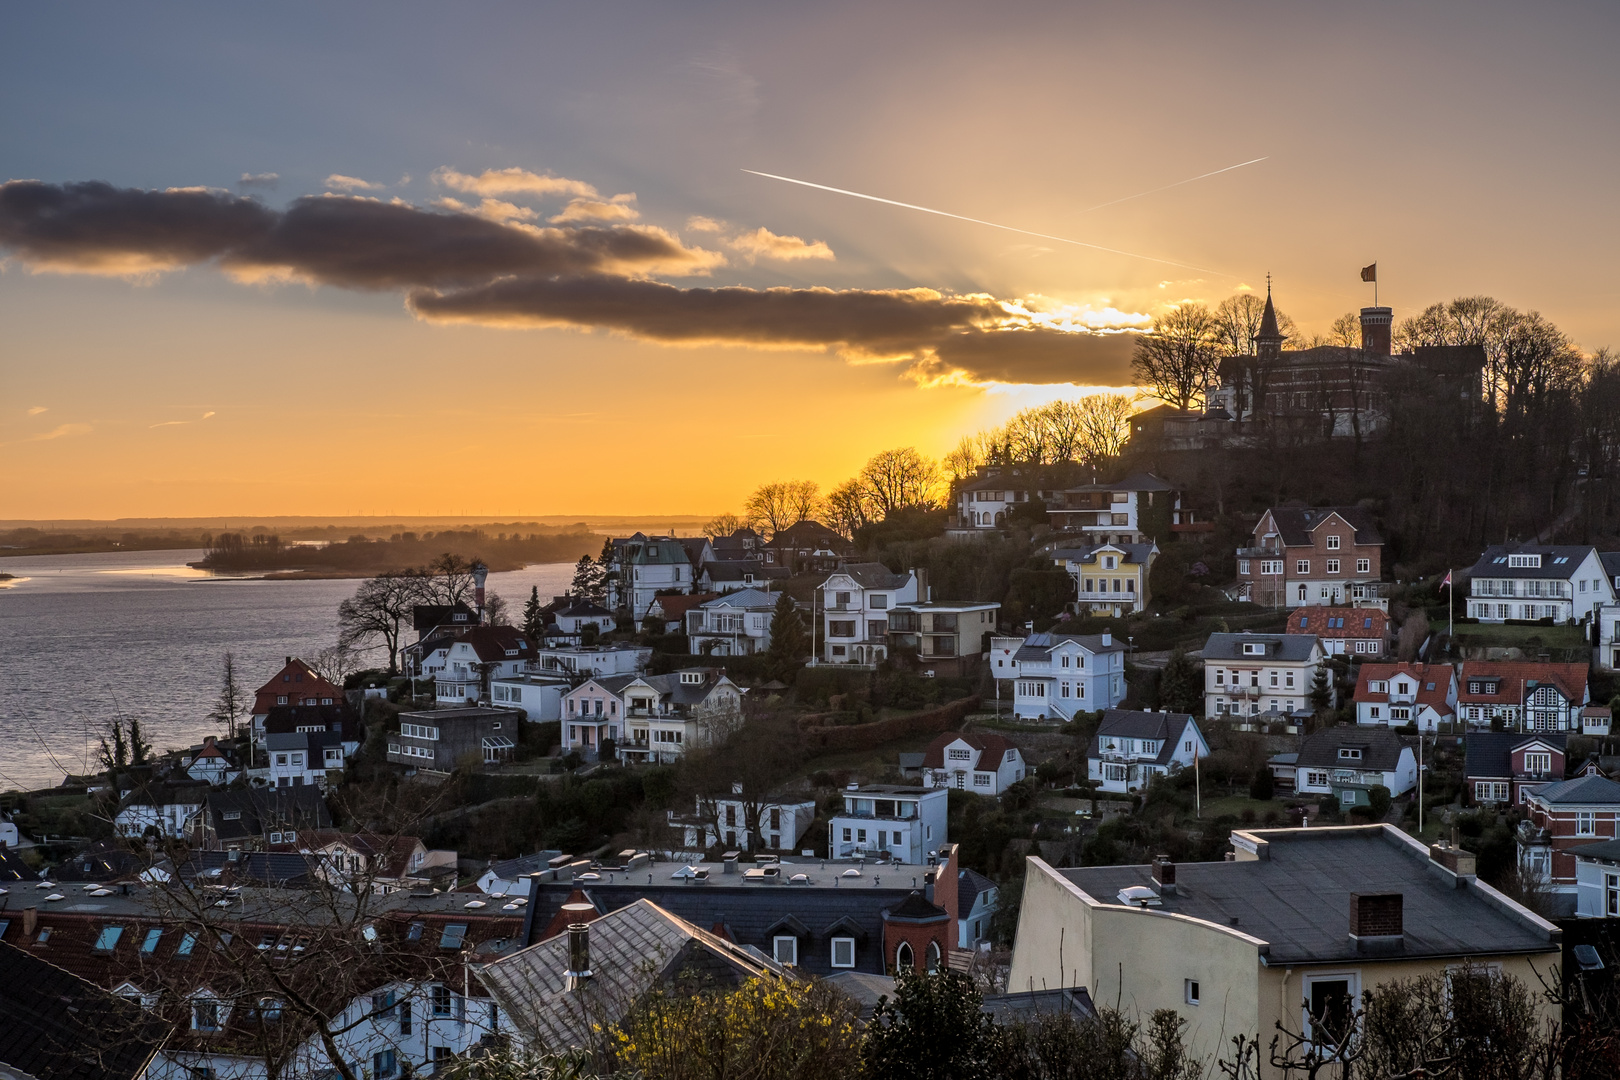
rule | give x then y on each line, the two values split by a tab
1130	748
904	824
1536	582
1135	510
1109	579
948	639
1249	674
650	717
1394	695
1348	762
734	624
1329	556
855	602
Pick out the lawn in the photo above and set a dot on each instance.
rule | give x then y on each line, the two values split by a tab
1492	635
1236	804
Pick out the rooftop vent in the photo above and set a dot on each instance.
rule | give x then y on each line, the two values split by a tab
1139	896
579	953
1164	875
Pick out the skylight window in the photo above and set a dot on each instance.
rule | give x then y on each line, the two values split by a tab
454	934
108	938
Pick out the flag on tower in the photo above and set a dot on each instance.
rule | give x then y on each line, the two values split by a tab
1369	273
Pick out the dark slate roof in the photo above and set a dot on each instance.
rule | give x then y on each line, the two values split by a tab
863	988
1294	647
748	912
874	575
1036	646
1298	899
1611	563
916	908
1295	523
302	740
584	609
512	869
1137	554
12	867
1581	791
1380	748
1557	561
278	869
1131	724
340	718
806	533
969	884
1607	850
1027	1005
1490	753
262	808
425	617
740	569
156	793
56	1026
103	861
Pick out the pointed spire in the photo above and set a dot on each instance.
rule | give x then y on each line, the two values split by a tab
1268	342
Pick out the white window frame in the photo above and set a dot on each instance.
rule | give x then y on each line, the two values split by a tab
842	942
1352	978
1333	543
792	949
1190	991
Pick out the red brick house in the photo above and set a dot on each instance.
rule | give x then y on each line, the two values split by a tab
1523	695
1560	817
1359	632
1505	767
1301	556
295	684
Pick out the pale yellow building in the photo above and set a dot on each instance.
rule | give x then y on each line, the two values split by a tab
1301	921
1109	579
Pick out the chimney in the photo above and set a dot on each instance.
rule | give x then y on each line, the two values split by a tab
289	661
30	922
1108	638
579	952
1375	921
924	594
1453	858
479	573
1164	875
1375	330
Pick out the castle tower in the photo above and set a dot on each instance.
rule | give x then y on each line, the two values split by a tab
1375	330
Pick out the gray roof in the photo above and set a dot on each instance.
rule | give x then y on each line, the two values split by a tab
1581	791
1295	523
1558	561
262	809
1298	898
744	598
1606	850
1290	647
1611	562
1131	724
1026	1005
741	569
1380	748
1490	753
1036	646
874	575
57	1026
862	987
1134	482
512	869
969	884
631	950
302	740
1134	553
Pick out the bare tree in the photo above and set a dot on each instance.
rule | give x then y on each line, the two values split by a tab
448	580
776	506
1177	360
1104	426
334	663
963	463
847	508
900	479
231	705
496	610
722	525
376	613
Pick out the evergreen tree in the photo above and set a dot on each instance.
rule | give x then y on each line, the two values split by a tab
140	751
1181	687
115	756
790	645
1264	786
590	580
231	704
1321	693
534	623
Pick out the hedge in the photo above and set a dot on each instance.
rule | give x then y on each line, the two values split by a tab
866	736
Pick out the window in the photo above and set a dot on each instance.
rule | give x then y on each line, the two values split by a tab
1333	566
453	936
1538	763
1316	779
383	1065
785	949
931	956
1349	753
205	1015
1611	895
441	1001
108	938
1271	566
1490	791
903	958
880	601
957	754
1585	825
1329	1005
844	628
1302	566
1190	986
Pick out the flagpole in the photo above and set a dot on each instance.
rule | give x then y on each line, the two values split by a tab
1451	604
1198	785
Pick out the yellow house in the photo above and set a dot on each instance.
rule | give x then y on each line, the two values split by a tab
1297	925
1109	579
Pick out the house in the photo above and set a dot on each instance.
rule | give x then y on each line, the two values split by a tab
1535	582
903	823
163	807
1560	817
1597	879
983	763
734	821
442	739
1130	748
1394	695
512	877
977	900
1522	695
672	610
426	618
104	862
643	566
1348	761
1502	767
650	717
724	576
1290	932
342	720
620	658
295	684
1135	510
855	601
258	819
1361	632
734	624
1597	721
1109	579
946	637
533	697
816	918
10	836
210	764
577	615
983	503
806	547
303	757
1058	673
376	863
1606	656
1247	674
1328	556
481	654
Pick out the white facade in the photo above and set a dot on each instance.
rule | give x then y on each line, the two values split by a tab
1321	779
1553	583
966	768
1597	884
537	697
595	660
297	759
855	616
1391	695
736	624
724	822
1270	679
645	566
170	818
1129	750
1057	677
905	823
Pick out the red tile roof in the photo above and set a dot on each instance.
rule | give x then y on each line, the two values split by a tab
1359	623
991	748
296	681
1511	676
1433	682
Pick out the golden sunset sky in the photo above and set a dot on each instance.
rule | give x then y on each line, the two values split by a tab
583	329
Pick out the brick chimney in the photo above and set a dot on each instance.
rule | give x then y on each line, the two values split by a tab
1164	875
479	573
1453	858
30	922
1376	921
1375	330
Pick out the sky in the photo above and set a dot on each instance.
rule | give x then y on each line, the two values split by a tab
506	260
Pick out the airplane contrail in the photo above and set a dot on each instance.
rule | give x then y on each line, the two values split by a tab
1027	232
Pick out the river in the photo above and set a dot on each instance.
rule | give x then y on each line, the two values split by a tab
84	638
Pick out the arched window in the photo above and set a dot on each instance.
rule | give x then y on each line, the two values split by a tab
903	960
931	956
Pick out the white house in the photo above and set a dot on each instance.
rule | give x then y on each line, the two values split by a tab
478	656
642	567
302	757
1130	748
1115	513
616	659
982	504
724	820
983	763
1247	674
510	877
382	864
1347	762
1109	579
1530	582
977	898
537	697
1062	672
1597	879
1394	695
211	765
735	624
904	823
855	604
166	807
574	618
650	717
